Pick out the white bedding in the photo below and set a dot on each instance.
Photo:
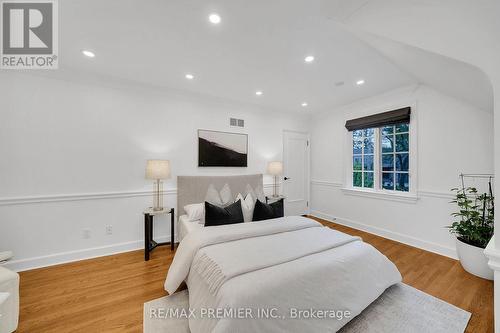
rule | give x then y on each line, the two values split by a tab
282	264
185	226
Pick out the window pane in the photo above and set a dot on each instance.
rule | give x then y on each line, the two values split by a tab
356	135
402	128
388	181
387	130
357	179
368	179
357	147
387	162
388	144
369	145
368	163
357	163
402	142
402	182
369	132
401	162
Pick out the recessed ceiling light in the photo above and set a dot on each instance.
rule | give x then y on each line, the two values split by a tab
214	18
360	82
258	93
309	58
189	76
339	83
304	104
89	54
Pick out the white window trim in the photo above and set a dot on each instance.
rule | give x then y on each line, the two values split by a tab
376	192
381	194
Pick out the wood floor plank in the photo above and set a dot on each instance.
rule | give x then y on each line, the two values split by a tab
107	294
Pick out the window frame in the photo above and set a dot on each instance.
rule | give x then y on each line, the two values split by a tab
394	172
363	154
377	190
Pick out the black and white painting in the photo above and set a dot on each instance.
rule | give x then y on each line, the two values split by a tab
222	149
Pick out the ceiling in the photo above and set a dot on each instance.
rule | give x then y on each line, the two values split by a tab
452	77
259	45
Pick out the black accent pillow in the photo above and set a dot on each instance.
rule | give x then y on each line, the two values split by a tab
263	211
215	215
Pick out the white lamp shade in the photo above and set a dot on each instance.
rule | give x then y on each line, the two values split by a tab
275	168
158	169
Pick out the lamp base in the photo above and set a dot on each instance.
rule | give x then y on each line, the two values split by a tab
158	196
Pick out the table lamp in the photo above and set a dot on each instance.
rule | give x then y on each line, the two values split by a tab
276	169
158	170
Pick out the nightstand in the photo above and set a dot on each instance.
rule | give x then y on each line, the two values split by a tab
271	199
149	242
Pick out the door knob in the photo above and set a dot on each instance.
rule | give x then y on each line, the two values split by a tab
286	178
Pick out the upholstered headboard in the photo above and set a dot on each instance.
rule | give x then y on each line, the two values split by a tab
193	189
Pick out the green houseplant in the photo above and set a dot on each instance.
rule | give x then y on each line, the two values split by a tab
475	217
473	228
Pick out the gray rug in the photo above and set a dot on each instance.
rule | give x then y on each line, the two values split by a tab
401	309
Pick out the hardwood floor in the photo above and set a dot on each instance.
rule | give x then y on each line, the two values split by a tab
107	294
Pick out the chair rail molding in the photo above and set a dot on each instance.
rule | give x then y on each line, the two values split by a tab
420	193
24	200
493	254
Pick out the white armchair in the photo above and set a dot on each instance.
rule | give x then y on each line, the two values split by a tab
9	299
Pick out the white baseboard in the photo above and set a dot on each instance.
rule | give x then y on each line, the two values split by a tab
71	256
395	236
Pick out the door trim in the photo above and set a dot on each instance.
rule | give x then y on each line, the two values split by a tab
308	165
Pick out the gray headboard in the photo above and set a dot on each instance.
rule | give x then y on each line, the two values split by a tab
193	189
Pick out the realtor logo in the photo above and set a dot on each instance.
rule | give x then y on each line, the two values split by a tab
29	34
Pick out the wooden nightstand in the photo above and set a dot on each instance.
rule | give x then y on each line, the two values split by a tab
149	243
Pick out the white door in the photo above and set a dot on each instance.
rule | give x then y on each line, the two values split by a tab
296	172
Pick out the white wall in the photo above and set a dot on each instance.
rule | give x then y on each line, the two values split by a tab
452	137
470	31
73	157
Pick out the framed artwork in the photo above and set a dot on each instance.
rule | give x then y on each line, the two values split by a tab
222	149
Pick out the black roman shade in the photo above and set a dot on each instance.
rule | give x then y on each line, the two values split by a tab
380	119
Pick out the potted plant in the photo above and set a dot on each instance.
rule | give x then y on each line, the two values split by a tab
473	229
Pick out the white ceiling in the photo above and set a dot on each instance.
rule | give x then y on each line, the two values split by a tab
259	45
452	77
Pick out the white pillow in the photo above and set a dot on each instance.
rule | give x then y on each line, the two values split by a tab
247	206
195	212
213	196
222	199
226	195
258	193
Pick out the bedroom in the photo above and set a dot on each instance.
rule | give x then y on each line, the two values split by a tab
271	82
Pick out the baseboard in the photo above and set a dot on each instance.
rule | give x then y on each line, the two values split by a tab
395	236
71	256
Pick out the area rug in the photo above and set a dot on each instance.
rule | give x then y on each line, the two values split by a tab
401	309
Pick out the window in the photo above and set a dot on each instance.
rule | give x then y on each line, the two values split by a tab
395	157
381	158
363	153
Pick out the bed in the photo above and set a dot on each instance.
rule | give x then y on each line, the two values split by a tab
288	274
185	226
192	189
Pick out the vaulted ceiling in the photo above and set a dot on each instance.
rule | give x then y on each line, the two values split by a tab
258	46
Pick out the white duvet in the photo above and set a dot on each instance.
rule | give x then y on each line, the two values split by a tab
278	275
